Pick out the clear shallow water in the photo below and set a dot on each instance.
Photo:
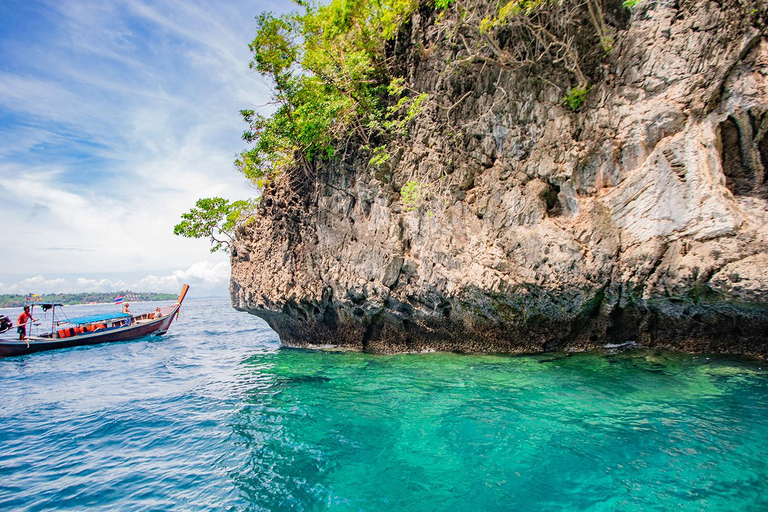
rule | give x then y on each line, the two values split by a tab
216	416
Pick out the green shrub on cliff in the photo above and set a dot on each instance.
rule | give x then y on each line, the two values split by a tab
330	79
575	97
410	195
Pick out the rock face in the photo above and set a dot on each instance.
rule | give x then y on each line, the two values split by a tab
642	217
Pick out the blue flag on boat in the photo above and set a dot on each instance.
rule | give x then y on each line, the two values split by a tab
119	299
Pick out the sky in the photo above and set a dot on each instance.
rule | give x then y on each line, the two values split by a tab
115	117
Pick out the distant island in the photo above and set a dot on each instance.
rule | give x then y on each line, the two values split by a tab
16	300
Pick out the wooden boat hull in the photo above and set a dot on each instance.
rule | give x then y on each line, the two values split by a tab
156	327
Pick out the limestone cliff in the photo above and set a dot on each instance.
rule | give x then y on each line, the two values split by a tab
641	217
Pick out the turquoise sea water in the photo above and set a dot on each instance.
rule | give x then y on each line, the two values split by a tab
216	416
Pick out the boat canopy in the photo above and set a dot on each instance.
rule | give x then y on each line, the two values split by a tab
46	305
95	318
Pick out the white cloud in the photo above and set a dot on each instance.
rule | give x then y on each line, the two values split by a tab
204	275
37	283
204	278
122	115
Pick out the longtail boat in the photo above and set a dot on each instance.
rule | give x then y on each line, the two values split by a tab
92	329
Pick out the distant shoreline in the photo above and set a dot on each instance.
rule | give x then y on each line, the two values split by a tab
85	298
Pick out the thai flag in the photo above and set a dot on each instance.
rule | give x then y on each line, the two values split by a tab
119	299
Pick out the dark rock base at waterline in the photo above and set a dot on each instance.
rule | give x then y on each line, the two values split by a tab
713	332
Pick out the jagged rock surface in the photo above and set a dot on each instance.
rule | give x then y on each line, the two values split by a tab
643	217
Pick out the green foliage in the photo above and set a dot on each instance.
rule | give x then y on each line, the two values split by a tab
400	114
630	3
443	4
511	10
607	44
395	119
330	81
214	218
380	156
575	97
411	194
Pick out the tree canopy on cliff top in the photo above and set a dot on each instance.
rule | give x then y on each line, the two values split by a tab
331	79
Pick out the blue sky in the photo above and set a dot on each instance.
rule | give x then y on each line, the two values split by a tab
115	117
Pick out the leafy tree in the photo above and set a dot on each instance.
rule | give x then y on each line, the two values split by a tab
215	218
330	79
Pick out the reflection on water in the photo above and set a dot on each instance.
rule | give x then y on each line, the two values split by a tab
217	416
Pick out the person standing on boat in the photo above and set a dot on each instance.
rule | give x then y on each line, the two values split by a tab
22	322
127	311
